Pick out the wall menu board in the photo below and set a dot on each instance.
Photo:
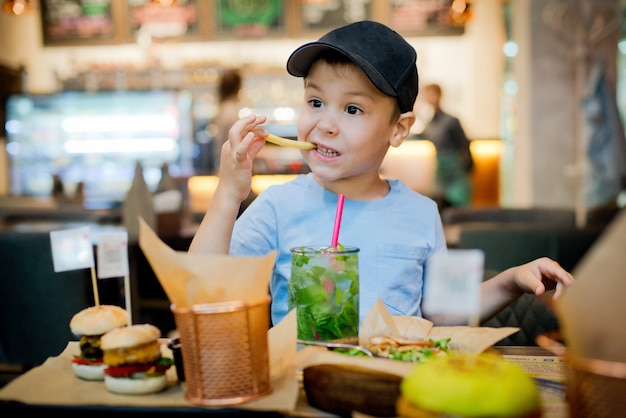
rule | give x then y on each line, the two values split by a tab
250	18
325	15
89	22
427	17
180	20
79	22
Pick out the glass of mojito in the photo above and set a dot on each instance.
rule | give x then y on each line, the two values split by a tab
324	290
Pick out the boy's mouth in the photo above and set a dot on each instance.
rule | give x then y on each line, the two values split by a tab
326	152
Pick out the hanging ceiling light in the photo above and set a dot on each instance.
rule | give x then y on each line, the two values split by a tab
17	7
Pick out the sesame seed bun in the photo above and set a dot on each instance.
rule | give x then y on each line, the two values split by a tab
130	336
97	320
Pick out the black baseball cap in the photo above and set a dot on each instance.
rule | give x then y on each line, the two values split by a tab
382	54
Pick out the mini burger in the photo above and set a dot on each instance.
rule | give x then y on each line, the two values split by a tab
464	386
90	324
134	362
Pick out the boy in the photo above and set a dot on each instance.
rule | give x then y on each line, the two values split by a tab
360	84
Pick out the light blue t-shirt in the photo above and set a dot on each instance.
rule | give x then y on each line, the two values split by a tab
395	235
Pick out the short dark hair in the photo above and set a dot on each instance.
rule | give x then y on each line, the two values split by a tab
230	84
434	87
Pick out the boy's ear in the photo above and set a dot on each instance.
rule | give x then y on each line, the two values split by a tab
402	128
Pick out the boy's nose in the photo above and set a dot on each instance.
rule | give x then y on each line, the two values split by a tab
327	125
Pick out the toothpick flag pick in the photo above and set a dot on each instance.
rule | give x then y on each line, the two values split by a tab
112	254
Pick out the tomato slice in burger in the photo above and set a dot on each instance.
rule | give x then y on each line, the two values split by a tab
87	361
130	369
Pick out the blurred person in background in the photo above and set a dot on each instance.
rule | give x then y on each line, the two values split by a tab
230	104
454	159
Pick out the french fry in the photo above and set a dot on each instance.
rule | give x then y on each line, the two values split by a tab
284	142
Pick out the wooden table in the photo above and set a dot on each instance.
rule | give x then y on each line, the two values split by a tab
554	406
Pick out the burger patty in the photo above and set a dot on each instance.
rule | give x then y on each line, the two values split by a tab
90	346
145	353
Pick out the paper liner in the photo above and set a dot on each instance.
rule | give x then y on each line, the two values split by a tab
590	311
189	279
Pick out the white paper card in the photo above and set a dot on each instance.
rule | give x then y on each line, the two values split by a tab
113	254
71	249
453	282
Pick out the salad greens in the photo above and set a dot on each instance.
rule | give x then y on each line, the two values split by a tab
324	289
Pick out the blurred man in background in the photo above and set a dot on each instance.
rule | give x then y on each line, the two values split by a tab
454	159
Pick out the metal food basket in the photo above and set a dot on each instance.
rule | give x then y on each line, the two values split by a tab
224	351
594	388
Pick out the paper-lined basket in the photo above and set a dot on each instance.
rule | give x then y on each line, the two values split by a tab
225	351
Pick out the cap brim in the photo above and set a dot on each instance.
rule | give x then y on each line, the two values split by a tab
300	61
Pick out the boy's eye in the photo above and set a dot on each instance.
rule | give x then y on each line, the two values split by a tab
315	102
353	110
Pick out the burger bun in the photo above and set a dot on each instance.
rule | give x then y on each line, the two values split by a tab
131	336
129	386
96	320
407	409
468	385
89	371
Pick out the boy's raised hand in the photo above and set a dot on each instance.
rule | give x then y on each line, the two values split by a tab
541	275
238	154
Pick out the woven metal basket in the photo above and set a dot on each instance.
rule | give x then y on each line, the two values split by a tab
225	351
596	388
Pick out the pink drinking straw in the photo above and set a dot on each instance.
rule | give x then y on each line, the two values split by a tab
338	213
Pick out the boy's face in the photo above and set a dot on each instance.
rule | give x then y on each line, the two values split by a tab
349	119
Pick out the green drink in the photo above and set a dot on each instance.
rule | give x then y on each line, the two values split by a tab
324	289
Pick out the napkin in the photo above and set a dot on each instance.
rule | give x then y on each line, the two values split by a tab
591	310
190	279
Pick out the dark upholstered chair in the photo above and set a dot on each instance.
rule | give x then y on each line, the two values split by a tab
507	245
529	313
511	237
36	304
536	216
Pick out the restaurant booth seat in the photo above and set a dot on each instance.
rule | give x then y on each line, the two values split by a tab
531	315
454	215
506	246
511	237
36	304
457	219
